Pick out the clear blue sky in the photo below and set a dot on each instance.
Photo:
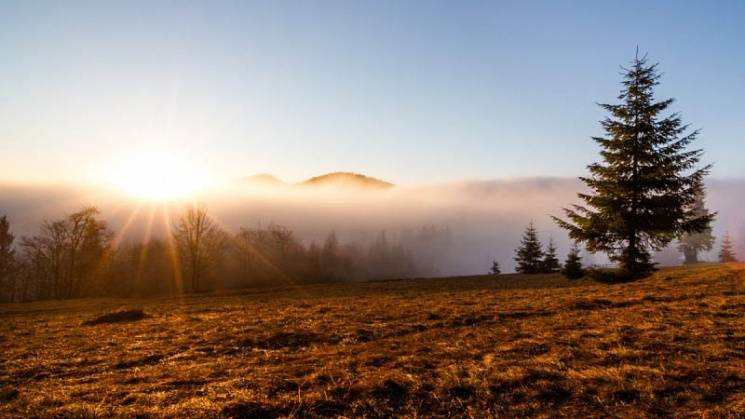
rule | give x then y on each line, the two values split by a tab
403	90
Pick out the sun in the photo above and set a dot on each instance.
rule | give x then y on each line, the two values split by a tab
159	175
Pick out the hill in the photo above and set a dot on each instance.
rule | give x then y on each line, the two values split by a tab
341	180
669	345
347	180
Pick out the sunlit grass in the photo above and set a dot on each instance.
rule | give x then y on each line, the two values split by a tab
480	347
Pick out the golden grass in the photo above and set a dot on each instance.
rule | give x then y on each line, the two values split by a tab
672	344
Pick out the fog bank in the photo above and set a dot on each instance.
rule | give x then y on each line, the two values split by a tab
454	228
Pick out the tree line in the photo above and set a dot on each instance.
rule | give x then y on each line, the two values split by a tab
78	256
531	258
646	192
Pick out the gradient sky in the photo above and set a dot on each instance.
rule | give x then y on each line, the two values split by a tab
403	90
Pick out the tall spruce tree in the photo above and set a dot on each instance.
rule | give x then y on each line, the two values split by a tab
529	256
642	195
691	244
550	262
573	266
727	253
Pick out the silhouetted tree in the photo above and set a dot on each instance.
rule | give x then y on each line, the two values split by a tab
529	256
573	265
388	260
315	271
727	252
643	194
7	260
330	258
274	254
550	263
197	237
34	275
68	253
495	268
143	269
431	248
48	250
693	243
88	240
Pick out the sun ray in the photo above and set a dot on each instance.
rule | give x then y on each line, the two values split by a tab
144	251
172	250
119	237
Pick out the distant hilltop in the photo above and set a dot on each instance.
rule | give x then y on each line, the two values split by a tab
346	180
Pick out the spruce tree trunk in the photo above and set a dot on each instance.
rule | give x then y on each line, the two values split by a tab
691	256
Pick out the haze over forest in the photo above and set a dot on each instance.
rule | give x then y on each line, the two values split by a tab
451	228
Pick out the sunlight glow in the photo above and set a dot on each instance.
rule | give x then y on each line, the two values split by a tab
159	175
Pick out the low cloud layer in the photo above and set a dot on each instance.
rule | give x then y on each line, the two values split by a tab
455	228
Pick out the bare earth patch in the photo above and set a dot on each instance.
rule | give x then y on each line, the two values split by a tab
117	317
672	344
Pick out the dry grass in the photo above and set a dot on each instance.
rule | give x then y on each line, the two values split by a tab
670	344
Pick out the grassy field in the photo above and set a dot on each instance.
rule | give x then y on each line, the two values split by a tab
514	345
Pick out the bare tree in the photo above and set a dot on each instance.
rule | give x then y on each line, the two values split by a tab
87	242
65	255
271	254
197	237
51	244
35	278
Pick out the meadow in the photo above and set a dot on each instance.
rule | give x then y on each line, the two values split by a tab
670	344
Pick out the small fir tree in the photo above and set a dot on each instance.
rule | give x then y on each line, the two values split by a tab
495	268
550	260
727	253
691	244
529	256
573	266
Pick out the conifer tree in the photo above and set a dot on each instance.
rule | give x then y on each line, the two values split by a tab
495	268
691	244
573	266
642	195
727	253
529	255
7	256
550	262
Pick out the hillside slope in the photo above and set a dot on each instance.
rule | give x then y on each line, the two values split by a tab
481	346
347	180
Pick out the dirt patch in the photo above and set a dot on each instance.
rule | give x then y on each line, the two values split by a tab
253	410
392	391
284	340
139	362
117	317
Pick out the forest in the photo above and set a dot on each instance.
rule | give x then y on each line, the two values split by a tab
78	256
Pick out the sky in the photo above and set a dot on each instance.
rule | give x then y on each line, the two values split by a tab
407	91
